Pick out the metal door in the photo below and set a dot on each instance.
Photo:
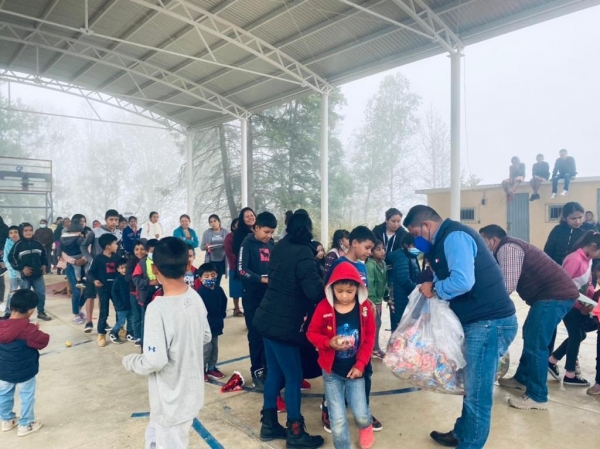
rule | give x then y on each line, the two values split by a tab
518	217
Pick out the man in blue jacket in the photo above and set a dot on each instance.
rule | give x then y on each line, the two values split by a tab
467	275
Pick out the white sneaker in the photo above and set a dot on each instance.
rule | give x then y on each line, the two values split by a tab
553	195
26	430
564	193
512	383
526	403
9	425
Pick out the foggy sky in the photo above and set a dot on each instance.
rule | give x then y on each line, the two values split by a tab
530	91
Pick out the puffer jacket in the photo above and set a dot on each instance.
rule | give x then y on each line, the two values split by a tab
20	342
405	273
294	288
561	241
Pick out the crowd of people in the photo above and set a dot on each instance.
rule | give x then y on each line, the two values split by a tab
565	169
309	313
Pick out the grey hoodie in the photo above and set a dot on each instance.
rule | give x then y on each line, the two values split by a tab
92	238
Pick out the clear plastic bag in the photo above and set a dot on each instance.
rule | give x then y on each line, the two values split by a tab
427	348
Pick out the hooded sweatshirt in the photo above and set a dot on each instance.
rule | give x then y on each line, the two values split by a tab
253	263
71	240
579	267
12	273
20	342
93	238
323	326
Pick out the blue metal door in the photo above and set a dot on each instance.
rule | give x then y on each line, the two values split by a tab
518	217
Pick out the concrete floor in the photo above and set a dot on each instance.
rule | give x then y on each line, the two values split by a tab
86	400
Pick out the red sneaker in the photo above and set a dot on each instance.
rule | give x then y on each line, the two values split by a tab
366	438
205	377
305	385
280	405
235	383
215	374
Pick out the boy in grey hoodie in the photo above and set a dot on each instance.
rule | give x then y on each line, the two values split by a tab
175	331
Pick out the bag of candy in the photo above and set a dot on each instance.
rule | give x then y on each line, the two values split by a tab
427	348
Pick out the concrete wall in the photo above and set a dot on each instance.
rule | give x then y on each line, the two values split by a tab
584	191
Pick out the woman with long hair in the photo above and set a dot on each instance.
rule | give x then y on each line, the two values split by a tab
213	242
246	221
235	285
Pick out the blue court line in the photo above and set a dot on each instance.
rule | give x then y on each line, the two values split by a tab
62	349
206	435
197	426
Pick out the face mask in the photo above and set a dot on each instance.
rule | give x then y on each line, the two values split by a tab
414	251
422	244
150	256
42	225
209	283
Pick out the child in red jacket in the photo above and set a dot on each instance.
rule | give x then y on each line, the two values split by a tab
343	331
20	342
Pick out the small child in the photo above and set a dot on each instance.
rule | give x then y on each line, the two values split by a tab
145	281
102	274
378	288
120	299
253	267
20	343
70	244
139	253
13	275
175	332
215	301
343	331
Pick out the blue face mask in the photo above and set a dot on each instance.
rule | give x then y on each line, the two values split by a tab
209	283
414	251
422	244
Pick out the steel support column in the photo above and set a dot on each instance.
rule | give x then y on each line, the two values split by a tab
189	151
455	79
244	132
324	169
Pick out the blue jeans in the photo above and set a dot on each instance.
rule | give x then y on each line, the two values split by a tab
76	293
284	367
39	287
540	324
338	391
136	317
7	401
485	343
123	316
567	177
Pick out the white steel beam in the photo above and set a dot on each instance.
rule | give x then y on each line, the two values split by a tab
244	139
241	38
455	79
10	76
189	150
58	43
324	169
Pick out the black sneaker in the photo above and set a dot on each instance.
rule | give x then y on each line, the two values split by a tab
325	417
130	337
42	316
377	426
115	339
444	439
553	370
89	327
576	381
108	328
258	379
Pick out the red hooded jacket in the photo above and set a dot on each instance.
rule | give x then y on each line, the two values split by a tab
322	327
20	342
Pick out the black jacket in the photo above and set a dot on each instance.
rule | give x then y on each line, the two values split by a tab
120	294
561	241
565	166
405	272
28	253
392	244
253	263
295	288
216	306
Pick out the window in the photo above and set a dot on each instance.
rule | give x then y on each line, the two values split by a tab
554	212
467	214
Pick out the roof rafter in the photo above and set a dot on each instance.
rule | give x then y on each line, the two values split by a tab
222	28
90	95
120	61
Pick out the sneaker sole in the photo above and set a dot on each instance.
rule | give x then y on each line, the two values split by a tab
554	375
215	377
379	429
567	384
510	387
88	330
327	429
526	407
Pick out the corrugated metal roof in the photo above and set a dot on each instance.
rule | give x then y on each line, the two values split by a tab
320	41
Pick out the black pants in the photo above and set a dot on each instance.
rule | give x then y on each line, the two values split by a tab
255	340
104	298
2	288
578	326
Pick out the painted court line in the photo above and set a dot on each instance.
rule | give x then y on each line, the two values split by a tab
197	426
62	349
237	359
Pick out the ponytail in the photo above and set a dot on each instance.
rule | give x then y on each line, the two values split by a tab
589	238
